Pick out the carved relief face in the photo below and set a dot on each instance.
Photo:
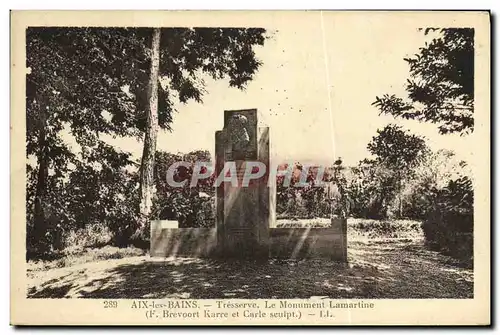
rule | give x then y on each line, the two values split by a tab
239	133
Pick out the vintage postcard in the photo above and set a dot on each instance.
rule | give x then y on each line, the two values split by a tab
250	168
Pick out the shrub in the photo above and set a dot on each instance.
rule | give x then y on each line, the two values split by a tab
304	223
449	224
384	228
92	236
200	213
190	210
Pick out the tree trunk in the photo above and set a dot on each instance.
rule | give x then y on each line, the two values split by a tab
400	205
149	149
40	225
400	197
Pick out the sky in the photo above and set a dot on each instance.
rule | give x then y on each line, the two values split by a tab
314	90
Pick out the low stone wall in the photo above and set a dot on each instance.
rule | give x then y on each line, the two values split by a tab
329	243
185	242
285	243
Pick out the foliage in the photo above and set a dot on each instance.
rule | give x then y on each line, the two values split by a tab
370	186
321	196
192	206
90	236
102	190
376	184
378	229
436	170
449	225
297	201
397	149
441	84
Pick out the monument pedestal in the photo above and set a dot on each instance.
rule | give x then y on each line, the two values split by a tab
243	213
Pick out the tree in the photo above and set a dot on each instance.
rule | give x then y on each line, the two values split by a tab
95	81
397	148
150	134
399	151
441	84
73	79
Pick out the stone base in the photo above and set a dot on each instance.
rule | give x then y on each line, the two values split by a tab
284	243
310	243
182	242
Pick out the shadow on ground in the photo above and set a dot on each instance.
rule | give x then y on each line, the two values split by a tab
377	269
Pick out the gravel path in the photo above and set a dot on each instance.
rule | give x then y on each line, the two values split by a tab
389	269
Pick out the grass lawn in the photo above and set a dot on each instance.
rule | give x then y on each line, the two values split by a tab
378	268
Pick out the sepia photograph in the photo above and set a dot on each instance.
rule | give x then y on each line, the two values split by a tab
319	160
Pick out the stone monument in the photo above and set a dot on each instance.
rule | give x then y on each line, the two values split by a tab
245	211
243	214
